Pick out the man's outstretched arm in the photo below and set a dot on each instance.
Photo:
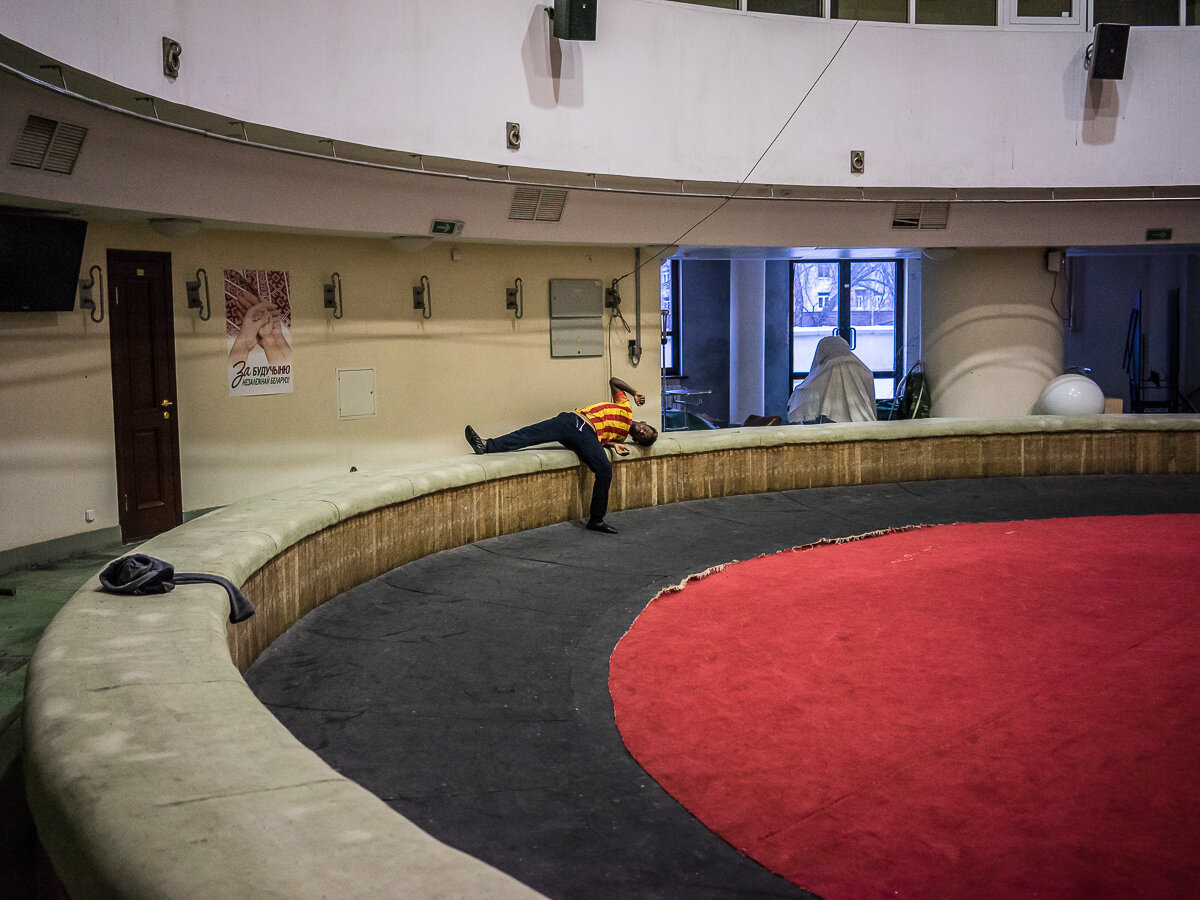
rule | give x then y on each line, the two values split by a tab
616	384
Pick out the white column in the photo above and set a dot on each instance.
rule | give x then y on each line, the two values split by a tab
991	338
747	338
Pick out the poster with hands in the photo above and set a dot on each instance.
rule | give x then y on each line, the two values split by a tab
258	331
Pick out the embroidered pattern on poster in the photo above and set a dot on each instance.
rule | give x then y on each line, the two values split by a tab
258	329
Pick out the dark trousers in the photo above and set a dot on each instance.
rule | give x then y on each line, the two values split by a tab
570	430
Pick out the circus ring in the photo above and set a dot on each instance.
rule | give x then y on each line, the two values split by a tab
151	768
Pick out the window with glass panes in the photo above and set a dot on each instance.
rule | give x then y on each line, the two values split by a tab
1136	12
787	7
870	10
1045	9
668	303
861	300
979	12
956	12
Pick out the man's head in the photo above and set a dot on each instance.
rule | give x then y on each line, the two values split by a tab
642	434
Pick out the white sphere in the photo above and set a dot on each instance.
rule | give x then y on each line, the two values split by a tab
1071	395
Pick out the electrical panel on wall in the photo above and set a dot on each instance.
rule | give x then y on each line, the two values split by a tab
576	317
356	393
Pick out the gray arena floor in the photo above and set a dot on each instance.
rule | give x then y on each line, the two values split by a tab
469	689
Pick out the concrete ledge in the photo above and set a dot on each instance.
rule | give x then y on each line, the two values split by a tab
152	771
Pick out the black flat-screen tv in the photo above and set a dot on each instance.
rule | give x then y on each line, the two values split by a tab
39	262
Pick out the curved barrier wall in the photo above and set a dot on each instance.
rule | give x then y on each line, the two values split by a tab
152	770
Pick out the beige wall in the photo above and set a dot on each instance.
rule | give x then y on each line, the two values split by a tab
472	362
991	339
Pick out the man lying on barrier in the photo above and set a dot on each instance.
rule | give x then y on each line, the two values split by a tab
586	431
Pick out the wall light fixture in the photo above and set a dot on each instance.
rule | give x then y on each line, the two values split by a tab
333	295
514	298
86	298
193	296
423	298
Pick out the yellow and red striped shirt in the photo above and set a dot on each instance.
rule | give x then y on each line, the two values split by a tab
612	420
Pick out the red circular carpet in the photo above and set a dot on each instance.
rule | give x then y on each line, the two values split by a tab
964	711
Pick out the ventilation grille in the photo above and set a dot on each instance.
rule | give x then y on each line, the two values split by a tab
48	145
911	216
537	204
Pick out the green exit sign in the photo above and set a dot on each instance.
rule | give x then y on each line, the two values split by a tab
445	226
1158	234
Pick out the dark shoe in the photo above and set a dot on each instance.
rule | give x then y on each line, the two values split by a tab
602	527
475	441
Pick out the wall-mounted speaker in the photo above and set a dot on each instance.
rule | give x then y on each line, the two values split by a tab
1106	55
575	20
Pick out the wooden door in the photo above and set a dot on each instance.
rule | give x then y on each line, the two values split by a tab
145	416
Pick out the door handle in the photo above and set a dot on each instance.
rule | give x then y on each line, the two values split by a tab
167	403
